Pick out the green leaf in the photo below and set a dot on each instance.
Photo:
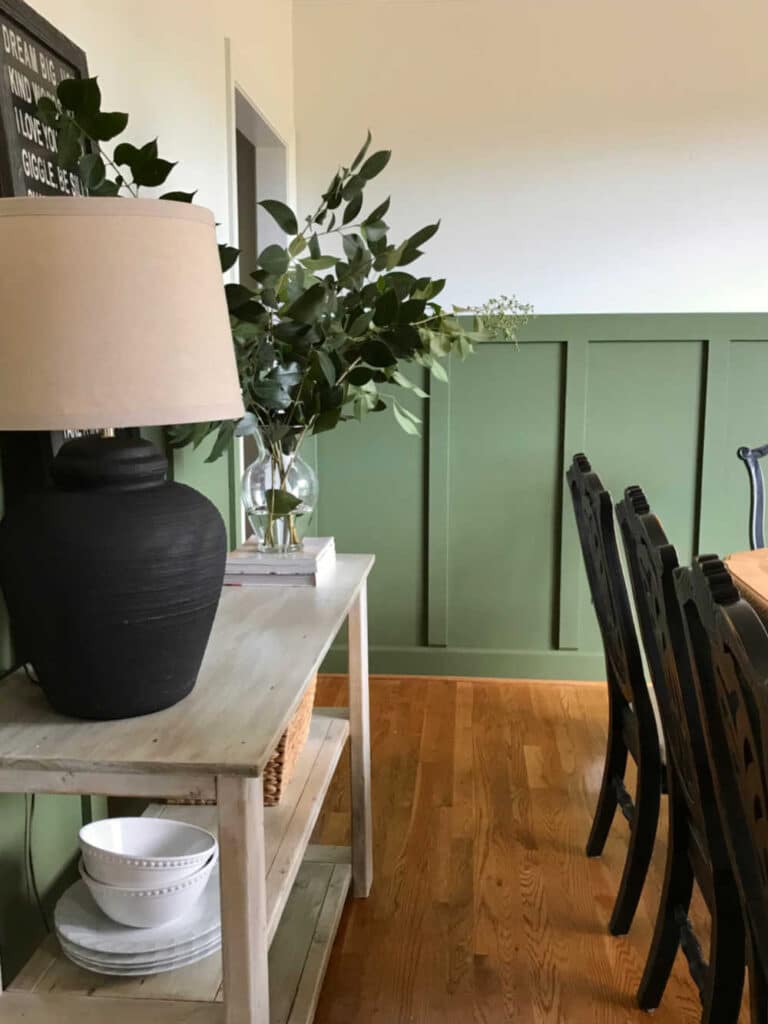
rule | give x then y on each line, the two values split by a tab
314	247
283	215
227	255
407	421
80	95
222	442
281	503
326	421
375	164
145	166
352	208
374	231
237	296
360	324
438	372
320	263
179	197
107	188
69	144
91	170
326	365
361	155
353	187
402	381
47	111
247	426
376	353
353	247
298	244
274	259
387	308
306	308
102	127
379	213
422	236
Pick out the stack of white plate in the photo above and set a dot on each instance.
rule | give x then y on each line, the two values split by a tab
95	942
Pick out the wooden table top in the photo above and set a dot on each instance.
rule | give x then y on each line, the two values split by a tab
266	644
750	572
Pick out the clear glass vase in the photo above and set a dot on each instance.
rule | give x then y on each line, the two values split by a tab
279	492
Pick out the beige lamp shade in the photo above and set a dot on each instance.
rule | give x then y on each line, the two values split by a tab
112	314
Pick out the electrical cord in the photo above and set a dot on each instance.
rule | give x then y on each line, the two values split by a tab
29	822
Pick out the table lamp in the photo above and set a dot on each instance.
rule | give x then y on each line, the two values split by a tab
112	314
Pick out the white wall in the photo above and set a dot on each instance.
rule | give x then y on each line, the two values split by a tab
165	63
590	155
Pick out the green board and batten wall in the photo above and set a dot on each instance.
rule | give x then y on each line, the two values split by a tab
479	571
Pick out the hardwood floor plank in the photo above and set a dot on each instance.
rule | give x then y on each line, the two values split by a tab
485	908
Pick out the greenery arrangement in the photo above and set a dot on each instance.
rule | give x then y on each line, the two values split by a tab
320	338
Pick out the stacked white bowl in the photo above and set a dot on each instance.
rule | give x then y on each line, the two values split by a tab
146	872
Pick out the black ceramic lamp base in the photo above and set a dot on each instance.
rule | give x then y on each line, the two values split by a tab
112	579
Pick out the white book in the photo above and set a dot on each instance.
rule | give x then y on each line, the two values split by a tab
278	579
247	560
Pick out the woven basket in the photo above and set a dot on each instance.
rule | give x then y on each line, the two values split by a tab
280	766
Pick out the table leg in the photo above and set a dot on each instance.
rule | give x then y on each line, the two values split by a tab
243	900
360	747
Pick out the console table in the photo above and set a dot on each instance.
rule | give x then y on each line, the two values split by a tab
281	897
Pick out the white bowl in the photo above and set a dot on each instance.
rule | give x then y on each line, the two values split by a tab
144	853
149	908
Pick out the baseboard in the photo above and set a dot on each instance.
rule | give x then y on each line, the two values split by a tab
456	661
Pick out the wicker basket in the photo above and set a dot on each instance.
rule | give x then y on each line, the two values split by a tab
280	766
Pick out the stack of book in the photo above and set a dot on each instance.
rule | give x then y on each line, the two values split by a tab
249	567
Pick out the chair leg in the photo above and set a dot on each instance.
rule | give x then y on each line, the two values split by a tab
644	823
675	896
758	987
615	767
721	998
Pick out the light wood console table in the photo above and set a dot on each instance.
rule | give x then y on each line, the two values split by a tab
282	898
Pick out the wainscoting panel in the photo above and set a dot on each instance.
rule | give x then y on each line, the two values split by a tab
479	571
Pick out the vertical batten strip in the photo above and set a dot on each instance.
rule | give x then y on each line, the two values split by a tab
714	452
574	433
438	482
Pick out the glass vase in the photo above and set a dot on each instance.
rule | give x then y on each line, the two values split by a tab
279	493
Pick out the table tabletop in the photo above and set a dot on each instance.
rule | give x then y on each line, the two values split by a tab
266	644
750	572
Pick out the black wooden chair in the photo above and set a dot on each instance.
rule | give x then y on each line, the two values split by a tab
751	458
631	726
696	849
730	654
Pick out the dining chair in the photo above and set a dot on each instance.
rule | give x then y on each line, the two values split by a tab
696	849
730	655
751	459
631	723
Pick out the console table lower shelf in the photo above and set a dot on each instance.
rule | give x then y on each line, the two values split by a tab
307	887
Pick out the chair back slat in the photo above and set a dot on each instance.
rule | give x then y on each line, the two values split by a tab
594	520
730	656
751	458
652	562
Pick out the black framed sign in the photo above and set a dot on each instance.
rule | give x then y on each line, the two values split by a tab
34	58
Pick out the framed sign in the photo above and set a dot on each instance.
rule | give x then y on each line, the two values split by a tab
34	58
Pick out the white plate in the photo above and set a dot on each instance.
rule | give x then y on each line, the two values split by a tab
138	972
141	959
81	923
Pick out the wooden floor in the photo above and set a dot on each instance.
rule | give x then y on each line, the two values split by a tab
484	906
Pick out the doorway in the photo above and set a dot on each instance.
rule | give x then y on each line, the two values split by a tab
260	172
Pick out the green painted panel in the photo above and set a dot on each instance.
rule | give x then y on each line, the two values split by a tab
747	425
372	499
504	496
644	412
